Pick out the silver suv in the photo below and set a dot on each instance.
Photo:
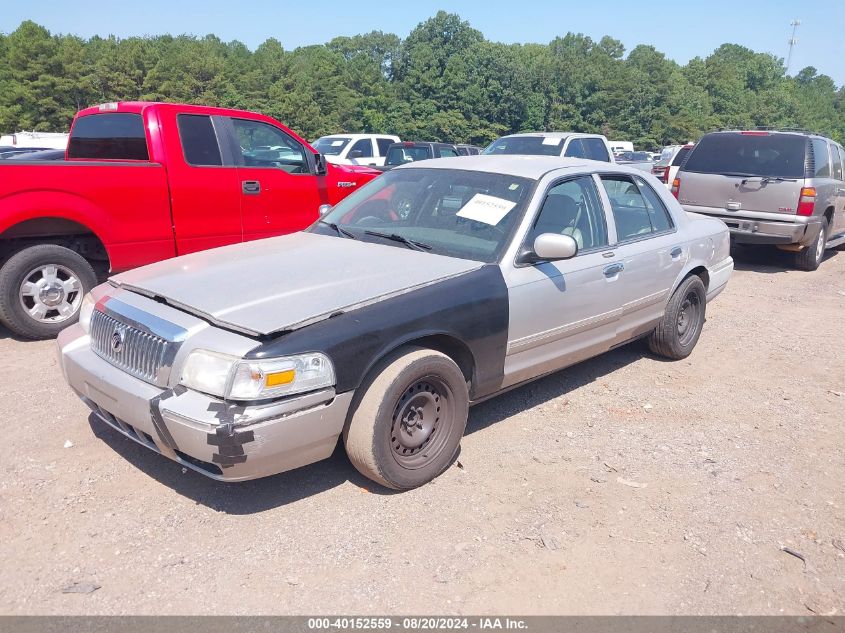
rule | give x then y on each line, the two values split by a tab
769	187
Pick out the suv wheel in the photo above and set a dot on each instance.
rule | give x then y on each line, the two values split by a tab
408	425
810	257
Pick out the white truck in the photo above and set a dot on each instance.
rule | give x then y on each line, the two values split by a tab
355	149
617	147
36	140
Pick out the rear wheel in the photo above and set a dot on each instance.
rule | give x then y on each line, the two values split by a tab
41	290
681	325
810	257
407	426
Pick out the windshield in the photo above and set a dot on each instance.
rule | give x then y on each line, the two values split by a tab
331	145
400	154
530	145
732	153
452	212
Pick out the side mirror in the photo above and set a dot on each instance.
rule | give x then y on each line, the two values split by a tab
355	153
323	209
320	167
553	246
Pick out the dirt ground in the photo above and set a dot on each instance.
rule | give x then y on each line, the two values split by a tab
622	485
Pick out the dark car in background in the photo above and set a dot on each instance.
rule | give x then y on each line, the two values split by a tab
785	188
413	151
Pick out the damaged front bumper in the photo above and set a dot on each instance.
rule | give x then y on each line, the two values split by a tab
218	439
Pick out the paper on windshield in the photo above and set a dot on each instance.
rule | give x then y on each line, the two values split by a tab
549	140
486	209
336	143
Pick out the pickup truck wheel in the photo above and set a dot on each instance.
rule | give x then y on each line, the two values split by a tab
810	257
678	331
407	427
41	290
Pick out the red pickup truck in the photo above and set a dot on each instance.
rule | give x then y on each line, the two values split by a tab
143	182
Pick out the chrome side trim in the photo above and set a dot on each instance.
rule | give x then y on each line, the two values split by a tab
633	306
555	334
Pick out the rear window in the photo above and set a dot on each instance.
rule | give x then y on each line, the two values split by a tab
530	145
595	149
113	136
734	154
399	155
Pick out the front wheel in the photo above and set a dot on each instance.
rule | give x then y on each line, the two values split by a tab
678	331
407	427
41	290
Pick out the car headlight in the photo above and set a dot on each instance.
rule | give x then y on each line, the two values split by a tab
85	311
235	379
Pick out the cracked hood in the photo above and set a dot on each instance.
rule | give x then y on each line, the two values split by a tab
287	282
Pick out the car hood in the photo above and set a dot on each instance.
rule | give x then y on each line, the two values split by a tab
288	282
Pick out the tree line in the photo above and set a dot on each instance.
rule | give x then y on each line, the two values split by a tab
445	82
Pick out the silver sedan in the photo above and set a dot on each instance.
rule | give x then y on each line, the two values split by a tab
435	286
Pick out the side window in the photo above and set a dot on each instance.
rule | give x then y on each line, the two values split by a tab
821	158
634	214
264	145
447	152
365	146
657	211
573	208
838	162
199	142
383	144
575	149
595	149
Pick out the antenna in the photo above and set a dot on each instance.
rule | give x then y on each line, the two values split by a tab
793	41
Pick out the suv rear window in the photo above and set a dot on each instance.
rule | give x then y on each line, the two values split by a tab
401	154
732	153
113	136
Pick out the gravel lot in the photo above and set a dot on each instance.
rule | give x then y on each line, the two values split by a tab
623	485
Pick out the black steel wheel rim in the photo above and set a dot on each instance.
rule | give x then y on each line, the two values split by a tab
423	419
689	318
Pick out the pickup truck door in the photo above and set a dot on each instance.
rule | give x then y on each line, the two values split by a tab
649	253
279	191
565	311
205	197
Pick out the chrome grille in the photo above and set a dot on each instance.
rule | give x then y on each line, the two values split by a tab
131	349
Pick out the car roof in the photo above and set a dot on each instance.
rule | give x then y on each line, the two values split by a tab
546	134
532	167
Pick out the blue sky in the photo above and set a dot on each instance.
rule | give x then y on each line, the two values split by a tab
680	29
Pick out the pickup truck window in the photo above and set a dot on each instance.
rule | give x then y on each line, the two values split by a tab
199	142
575	149
383	145
407	154
113	136
447	152
637	210
573	208
595	149
263	145
365	146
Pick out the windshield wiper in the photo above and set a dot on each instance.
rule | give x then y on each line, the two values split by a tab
338	230
419	246
778	179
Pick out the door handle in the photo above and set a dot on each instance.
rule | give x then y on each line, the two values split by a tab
251	187
612	270
676	252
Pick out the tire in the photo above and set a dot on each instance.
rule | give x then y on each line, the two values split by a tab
809	258
56	279
412	384
679	329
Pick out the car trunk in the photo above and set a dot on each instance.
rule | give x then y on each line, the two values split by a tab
736	171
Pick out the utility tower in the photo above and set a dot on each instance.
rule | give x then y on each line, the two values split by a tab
792	42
